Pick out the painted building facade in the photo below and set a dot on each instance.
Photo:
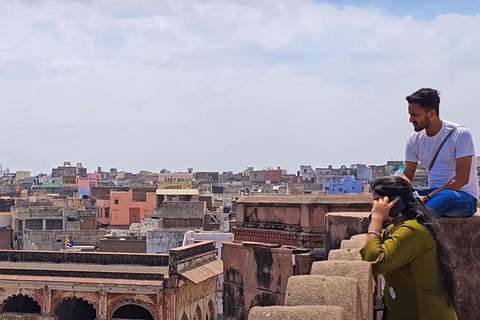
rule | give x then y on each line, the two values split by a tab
347	186
122	210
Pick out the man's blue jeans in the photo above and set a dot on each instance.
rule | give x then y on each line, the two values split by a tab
448	203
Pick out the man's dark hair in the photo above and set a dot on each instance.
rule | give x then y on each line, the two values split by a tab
428	99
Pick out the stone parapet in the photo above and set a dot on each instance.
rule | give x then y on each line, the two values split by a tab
325	291
300	239
342	225
297	313
359	270
345	254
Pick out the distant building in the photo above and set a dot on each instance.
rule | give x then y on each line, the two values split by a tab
175	180
22	175
308	174
347	186
121	209
262	176
364	172
85	183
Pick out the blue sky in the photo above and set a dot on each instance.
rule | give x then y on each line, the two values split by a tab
426	10
221	85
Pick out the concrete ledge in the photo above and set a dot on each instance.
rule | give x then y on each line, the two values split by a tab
299	312
345	254
325	291
359	270
342	225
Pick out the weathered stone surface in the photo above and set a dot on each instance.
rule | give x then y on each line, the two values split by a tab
342	225
325	291
345	254
260	282
353	243
359	270
359	238
299	312
464	236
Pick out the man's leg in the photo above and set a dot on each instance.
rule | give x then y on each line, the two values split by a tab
448	203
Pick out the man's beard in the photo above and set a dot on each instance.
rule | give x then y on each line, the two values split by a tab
419	127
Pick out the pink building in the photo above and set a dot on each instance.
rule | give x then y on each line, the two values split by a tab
122	210
86	183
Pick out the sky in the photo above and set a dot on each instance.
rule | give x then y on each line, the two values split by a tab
222	85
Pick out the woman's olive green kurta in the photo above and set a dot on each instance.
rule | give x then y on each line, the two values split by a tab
406	256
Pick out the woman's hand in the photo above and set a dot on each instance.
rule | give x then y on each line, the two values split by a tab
381	209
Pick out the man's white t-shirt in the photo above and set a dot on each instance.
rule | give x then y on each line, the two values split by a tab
421	148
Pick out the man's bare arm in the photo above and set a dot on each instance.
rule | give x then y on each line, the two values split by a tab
461	178
409	170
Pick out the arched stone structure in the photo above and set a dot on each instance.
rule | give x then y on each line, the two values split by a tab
58	297
20	304
75	309
132	311
198	314
139	300
211	311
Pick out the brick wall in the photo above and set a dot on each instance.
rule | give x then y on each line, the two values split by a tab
5	239
89	223
127	246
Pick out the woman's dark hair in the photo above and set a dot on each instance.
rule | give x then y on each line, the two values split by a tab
397	186
427	98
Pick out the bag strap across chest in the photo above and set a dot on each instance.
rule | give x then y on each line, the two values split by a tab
441	146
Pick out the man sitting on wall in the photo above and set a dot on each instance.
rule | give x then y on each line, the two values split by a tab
446	151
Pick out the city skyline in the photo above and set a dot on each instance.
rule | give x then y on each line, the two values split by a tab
151	84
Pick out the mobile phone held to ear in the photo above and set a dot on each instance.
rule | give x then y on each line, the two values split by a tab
397	208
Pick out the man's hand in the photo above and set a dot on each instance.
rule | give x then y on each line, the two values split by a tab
381	209
423	199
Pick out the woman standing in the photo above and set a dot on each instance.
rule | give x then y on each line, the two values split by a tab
410	254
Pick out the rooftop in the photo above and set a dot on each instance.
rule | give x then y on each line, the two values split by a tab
307	199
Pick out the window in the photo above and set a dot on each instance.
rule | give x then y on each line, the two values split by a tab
255	175
327	188
135	217
340	189
304	170
116	201
107	212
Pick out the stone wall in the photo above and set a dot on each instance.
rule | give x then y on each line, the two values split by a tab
262	281
335	290
5	239
54	240
301	216
116	245
84	257
183	210
162	240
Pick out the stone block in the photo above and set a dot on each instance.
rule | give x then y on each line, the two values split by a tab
299	312
359	238
355	242
359	270
324	290
343	225
345	254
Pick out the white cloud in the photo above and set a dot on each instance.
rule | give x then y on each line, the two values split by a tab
222	84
